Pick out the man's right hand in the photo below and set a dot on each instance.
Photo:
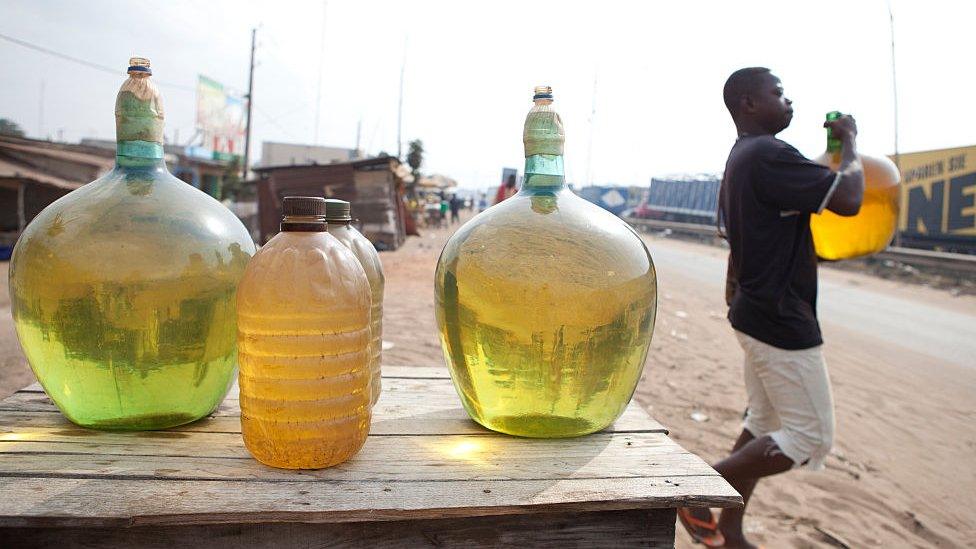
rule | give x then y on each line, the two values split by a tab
844	128
849	194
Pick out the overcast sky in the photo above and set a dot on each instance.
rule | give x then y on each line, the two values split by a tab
470	68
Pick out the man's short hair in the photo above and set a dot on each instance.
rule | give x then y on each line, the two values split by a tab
741	82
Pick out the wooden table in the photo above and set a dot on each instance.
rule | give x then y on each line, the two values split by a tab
427	476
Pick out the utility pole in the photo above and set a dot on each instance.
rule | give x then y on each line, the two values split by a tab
894	91
400	105
40	113
359	134
250	100
318	92
589	145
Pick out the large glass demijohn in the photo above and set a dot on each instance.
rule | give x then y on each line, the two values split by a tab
871	230
545	302
123	291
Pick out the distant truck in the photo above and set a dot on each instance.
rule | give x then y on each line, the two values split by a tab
688	200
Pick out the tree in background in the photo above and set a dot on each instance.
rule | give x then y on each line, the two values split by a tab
415	157
9	127
233	186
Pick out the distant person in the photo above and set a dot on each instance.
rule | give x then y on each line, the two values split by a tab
767	195
455	204
482	202
445	207
506	190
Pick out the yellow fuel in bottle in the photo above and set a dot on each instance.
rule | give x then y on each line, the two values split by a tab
545	302
303	345
339	216
871	230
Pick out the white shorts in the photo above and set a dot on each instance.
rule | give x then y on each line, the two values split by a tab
789	400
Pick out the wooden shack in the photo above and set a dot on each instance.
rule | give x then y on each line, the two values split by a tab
35	173
373	186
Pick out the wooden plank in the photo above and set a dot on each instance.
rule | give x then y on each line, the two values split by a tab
59	502
220	456
637	528
391	371
409	405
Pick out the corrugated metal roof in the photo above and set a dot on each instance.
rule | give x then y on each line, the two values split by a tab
18	171
353	163
101	162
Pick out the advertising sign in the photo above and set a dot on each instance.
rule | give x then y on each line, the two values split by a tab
220	117
938	200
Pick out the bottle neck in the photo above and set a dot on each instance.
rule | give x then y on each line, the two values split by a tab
303	224
544	172
833	144
139	154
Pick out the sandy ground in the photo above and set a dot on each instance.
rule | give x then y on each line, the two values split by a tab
903	471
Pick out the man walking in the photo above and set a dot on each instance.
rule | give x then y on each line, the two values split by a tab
767	195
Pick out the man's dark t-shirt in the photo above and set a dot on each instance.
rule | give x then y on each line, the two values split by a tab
768	194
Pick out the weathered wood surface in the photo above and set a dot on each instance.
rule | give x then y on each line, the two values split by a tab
620	529
424	460
431	407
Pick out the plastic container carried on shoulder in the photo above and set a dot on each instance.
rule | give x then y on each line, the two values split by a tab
871	230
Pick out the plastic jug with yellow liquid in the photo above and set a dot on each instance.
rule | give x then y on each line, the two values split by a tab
303	310
338	214
545	302
871	230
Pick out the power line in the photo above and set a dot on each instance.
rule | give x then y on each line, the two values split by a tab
274	121
88	64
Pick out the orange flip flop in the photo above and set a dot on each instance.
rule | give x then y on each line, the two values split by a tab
705	533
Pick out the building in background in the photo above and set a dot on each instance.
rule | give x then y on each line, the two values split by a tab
195	165
374	186
294	154
34	173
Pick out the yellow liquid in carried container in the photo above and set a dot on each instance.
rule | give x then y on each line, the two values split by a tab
364	251
303	339
871	230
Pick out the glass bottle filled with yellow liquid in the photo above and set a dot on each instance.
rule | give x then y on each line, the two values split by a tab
339	217
123	291
545	302
303	339
871	230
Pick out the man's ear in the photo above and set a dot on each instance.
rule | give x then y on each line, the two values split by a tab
747	104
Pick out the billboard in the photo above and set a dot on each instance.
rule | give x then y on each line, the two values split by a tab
938	197
220	117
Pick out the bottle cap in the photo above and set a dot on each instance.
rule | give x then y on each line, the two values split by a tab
303	213
834	115
139	65
303	206
542	92
337	210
